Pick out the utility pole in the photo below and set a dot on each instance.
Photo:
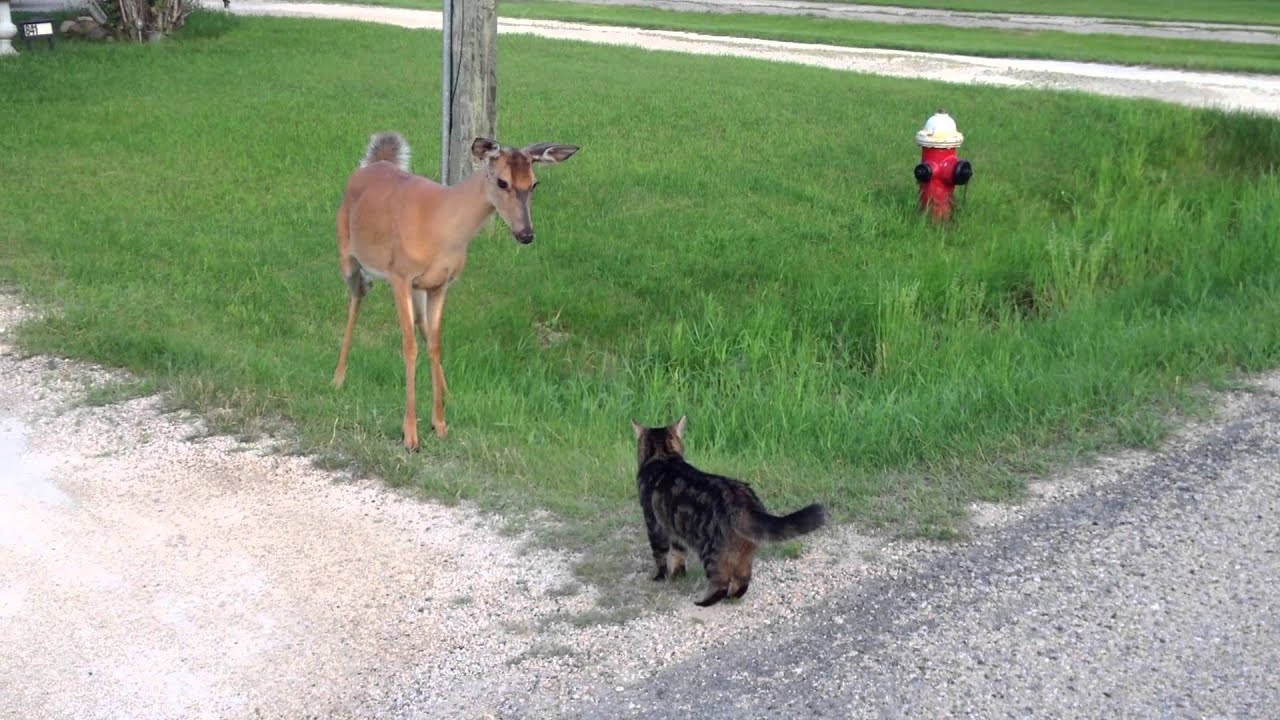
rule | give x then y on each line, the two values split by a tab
469	87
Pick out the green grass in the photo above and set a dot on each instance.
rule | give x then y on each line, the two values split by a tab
1160	52
736	240
1258	12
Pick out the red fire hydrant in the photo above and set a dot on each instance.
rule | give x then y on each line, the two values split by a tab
940	171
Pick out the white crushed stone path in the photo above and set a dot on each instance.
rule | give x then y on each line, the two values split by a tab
1231	91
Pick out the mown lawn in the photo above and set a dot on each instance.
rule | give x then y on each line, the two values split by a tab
736	241
985	42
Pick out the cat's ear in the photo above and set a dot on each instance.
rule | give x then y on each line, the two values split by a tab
679	427
638	428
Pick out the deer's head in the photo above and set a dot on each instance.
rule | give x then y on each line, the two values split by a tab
509	179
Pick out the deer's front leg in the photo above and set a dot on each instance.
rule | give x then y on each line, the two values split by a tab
402	293
435	316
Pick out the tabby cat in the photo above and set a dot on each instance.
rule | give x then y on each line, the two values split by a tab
718	517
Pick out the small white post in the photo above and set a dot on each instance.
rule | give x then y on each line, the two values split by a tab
7	30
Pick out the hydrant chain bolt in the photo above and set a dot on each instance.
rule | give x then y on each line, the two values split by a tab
940	171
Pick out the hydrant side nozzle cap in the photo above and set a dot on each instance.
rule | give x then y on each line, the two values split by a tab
939	131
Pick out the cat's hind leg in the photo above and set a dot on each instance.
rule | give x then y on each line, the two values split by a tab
659	543
675	559
713	559
743	552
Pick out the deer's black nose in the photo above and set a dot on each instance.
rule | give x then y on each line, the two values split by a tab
524	237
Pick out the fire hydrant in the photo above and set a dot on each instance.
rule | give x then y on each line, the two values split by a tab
939	171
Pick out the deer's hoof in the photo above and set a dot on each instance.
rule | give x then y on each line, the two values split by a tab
442	429
411	439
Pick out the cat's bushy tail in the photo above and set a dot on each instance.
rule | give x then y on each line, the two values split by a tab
772	528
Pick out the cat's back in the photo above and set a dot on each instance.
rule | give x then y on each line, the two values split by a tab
675	475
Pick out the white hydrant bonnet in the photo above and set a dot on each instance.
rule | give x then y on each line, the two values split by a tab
939	132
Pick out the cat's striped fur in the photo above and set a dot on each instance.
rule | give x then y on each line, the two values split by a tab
719	518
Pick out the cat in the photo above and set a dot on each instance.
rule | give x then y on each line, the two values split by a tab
718	517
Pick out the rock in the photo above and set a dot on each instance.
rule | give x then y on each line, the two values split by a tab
66	26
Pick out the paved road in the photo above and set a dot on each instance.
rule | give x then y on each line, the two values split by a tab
1155	592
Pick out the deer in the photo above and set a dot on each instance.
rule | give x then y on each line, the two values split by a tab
414	233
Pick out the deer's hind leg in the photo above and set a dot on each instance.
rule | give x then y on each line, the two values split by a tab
403	295
429	308
357	287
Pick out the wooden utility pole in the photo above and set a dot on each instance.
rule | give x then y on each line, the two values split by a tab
469	97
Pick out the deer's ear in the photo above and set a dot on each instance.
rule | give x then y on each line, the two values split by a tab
679	427
638	428
550	152
483	148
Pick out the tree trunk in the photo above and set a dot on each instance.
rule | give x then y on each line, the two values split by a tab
471	82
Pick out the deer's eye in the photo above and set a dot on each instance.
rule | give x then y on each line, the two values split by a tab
502	184
534	186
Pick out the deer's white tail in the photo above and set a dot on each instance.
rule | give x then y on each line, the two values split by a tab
389	146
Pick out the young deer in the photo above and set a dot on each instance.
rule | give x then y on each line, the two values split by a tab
414	233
